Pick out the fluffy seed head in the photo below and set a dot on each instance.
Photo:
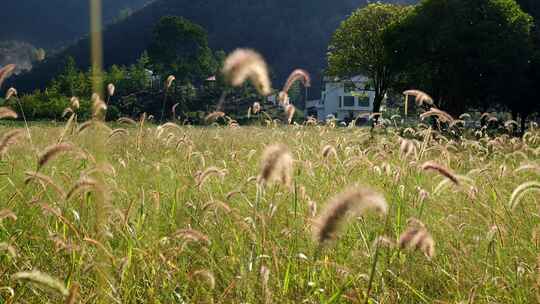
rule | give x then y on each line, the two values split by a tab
214	116
276	165
67	111
42	279
256	108
244	64
85	125
5	72
520	191
118	131
98	106
329	150
202	177
53	151
296	75
9	139
485	116
10	93
465	116
283	98
83	184
290	110
430	165
169	81
30	176
356	200
193	236
7	214
173	109
492	119
441	115
75	104
416	237
407	148
110	89
421	97
6	112
126	120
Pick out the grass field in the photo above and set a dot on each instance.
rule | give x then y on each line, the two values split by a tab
178	215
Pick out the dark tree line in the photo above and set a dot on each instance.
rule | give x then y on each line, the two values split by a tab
468	54
289	34
178	48
53	23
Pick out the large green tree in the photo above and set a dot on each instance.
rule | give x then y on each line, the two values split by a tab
180	47
531	100
358	47
466	53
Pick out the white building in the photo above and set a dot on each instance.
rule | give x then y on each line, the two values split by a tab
344	99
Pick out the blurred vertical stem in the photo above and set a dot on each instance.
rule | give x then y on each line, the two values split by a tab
375	259
102	192
96	45
25	122
161	119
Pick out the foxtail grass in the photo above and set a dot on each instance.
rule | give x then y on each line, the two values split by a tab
276	165
355	200
244	64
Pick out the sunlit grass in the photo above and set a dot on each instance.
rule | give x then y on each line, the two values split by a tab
170	238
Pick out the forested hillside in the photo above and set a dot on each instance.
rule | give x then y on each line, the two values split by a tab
52	23
288	33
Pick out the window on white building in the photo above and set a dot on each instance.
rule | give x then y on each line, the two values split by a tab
363	101
348	101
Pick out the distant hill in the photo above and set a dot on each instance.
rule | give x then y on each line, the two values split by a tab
53	23
289	34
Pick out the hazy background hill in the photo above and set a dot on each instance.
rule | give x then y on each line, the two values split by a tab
288	33
53	23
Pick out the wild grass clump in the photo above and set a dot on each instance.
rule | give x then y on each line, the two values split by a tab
244	64
355	200
136	213
276	165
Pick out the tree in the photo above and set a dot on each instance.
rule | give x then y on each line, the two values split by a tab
532	92
180	48
71	81
465	53
358	47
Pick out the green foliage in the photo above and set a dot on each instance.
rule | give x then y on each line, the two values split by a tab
296	93
51	103
358	46
531	88
180	48
137	93
47	105
290	34
465	53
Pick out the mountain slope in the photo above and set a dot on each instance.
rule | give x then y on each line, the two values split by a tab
289	34
51	23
